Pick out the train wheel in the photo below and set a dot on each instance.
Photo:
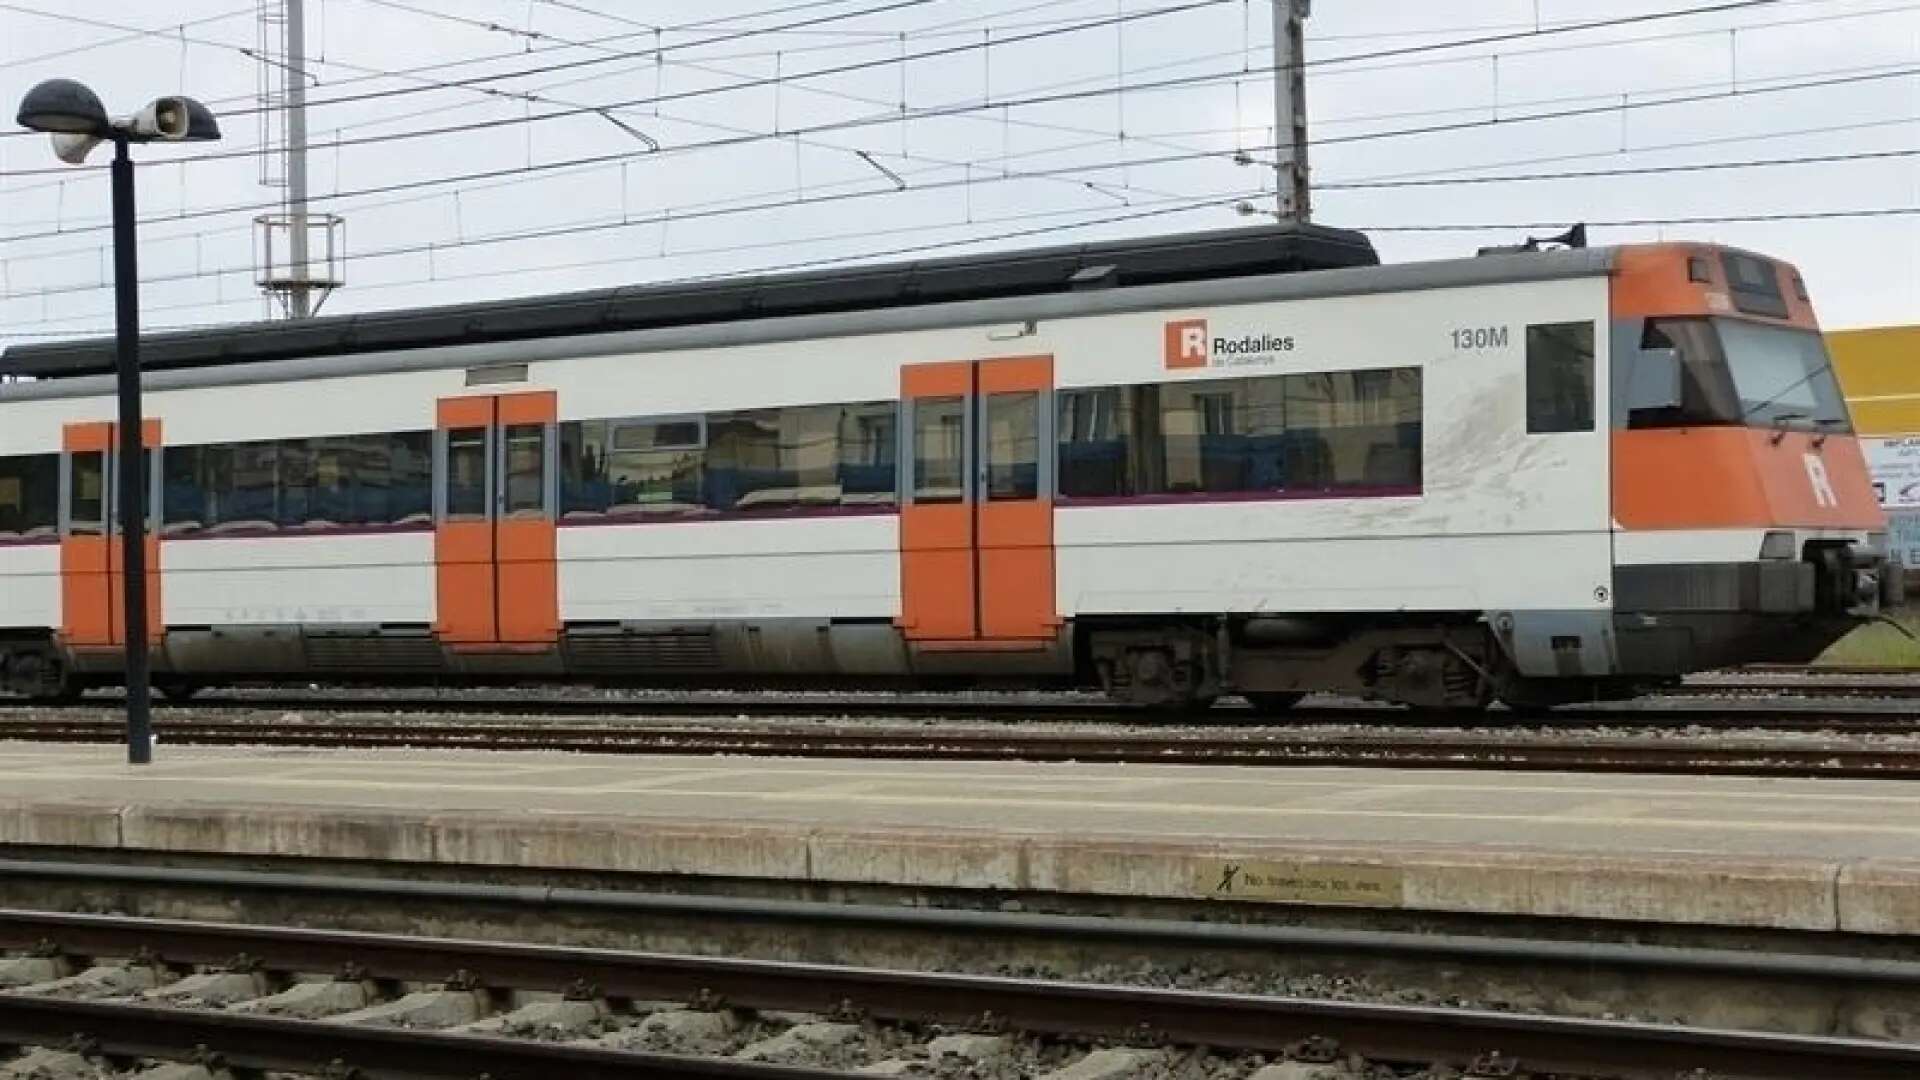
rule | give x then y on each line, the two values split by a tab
43	679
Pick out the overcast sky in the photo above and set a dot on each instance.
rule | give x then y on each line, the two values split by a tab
989	171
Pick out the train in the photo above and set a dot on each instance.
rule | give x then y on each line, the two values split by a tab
1252	462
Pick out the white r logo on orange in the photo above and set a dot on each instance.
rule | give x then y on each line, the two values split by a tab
1823	494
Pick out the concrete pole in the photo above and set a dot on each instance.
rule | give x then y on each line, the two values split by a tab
1290	110
300	297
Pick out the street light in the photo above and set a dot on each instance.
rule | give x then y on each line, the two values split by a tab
73	115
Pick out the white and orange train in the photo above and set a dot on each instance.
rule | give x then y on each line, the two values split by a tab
1248	462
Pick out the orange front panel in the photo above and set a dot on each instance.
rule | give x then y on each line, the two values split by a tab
1654	280
937	571
86	595
1721	477
1016	570
466	610
529	582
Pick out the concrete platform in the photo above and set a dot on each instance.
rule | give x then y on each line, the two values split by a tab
1787	854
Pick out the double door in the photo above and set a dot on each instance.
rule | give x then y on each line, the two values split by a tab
976	523
495	532
92	587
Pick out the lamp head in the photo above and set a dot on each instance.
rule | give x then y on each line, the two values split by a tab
63	107
173	119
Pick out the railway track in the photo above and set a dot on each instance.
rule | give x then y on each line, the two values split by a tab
350	1003
1793	714
1188	747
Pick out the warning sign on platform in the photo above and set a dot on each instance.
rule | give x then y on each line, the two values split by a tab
1300	883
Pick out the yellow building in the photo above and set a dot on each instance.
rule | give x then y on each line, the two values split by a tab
1879	371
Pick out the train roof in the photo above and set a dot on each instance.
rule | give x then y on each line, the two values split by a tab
1185	257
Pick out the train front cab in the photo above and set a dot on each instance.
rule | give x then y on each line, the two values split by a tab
1746	527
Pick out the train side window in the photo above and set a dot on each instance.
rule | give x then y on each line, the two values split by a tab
336	486
1559	378
868	452
294	505
87	504
1334	432
655	465
183	492
29	496
1093	433
410	490
583	469
773	459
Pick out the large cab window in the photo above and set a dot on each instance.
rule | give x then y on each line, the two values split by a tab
1683	372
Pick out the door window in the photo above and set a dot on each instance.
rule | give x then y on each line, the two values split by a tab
939	449
1013	446
467	473
526	470
87	505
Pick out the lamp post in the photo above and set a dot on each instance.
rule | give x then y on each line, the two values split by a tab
73	115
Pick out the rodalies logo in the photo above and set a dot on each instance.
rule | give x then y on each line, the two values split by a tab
1190	344
1187	344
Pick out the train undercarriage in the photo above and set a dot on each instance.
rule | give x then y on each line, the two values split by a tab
1460	661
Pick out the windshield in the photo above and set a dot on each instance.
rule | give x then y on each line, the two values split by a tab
1730	372
1783	376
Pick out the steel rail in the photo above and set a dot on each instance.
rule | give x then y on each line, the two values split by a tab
1797	688
274	1044
1779	968
1804	715
1398	750
1079	1010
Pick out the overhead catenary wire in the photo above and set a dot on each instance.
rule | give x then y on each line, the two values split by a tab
684	215
1184	202
1083	26
1518	178
900	182
890	5
1607	109
1629	93
688	215
174	31
1185	206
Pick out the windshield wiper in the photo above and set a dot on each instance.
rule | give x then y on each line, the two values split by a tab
1780	424
1788	389
1825	423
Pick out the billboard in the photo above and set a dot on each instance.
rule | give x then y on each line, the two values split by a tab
1894	464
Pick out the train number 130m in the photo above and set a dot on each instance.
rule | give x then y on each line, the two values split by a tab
1479	338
